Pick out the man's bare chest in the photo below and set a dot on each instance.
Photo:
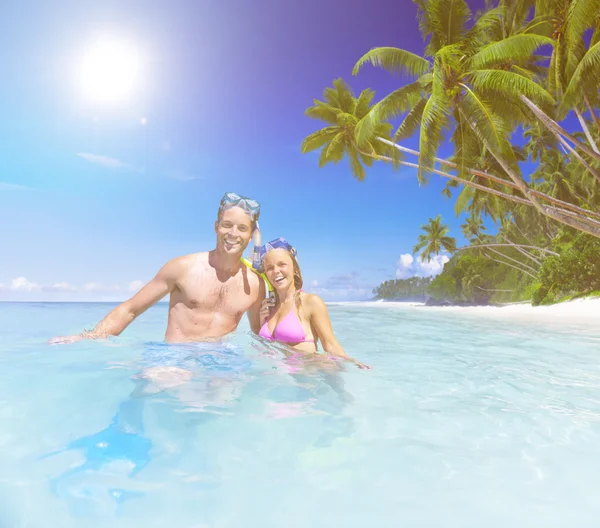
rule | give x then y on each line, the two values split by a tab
206	292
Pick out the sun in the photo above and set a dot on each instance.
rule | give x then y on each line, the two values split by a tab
110	71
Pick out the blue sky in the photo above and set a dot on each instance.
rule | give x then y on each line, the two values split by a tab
95	199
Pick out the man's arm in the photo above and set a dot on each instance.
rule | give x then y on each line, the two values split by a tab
119	319
319	317
254	310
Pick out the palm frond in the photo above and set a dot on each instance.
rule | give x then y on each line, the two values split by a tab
488	126
422	242
358	171
555	81
394	60
411	122
432	122
335	150
340	96
318	139
588	69
511	85
509	49
363	103
446	22
463	199
394	104
580	17
596	34
466	146
487	24
323	112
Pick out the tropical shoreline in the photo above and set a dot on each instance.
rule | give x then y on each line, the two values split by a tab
584	310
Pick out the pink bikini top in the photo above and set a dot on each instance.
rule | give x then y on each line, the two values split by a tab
289	330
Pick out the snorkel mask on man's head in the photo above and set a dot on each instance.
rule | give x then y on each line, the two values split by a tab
250	206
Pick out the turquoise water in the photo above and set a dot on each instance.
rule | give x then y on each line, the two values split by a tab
463	422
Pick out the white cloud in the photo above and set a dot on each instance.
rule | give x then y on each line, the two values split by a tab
105	161
22	284
343	287
60	287
2	286
99	287
13	187
407	266
135	285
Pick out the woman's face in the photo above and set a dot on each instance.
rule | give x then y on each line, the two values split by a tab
279	269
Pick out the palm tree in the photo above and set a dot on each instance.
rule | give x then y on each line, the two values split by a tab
434	240
339	126
573	68
465	82
341	110
473	228
481	89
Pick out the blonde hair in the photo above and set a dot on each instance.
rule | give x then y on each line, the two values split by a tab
298	281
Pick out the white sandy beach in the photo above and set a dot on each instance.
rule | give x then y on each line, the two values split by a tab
581	311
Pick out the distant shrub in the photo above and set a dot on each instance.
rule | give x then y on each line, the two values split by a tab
575	271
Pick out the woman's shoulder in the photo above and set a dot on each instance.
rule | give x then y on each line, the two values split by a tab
311	300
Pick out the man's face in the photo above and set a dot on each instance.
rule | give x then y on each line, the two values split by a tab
234	230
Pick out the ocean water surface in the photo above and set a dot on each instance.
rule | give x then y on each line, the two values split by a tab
462	422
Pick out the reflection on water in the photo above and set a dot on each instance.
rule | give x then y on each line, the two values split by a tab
461	423
194	385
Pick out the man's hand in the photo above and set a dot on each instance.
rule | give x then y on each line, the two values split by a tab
64	340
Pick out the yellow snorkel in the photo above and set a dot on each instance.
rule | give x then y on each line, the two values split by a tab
255	264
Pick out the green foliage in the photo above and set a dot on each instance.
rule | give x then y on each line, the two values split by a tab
469	88
403	289
575	271
342	111
476	279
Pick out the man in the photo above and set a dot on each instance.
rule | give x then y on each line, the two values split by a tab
209	292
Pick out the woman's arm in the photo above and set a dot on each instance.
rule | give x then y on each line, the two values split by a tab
319	319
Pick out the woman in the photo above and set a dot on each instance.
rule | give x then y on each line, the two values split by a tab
295	318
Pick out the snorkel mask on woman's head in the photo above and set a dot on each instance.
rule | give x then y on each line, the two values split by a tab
278	243
230	199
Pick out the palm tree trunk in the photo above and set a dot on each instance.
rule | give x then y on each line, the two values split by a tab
521	231
451	177
509	245
483	289
503	256
501	181
514	260
586	131
522	251
514	267
573	220
553	125
566	145
592	111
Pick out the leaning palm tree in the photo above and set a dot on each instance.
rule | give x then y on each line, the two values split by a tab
434	240
465	82
478	88
340	111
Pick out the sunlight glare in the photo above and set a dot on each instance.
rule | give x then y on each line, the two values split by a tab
110	71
